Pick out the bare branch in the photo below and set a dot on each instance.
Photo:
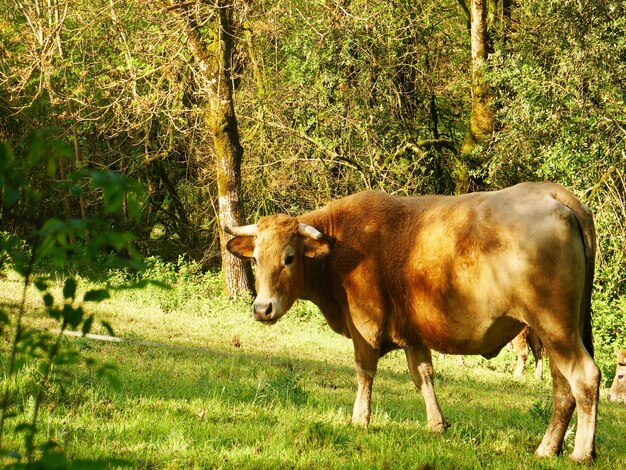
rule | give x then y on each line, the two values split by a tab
177	6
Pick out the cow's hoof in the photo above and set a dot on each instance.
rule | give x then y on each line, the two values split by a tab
439	426
545	452
360	422
584	458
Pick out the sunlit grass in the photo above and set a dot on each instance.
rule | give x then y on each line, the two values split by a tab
205	386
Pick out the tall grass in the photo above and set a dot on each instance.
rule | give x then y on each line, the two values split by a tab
204	386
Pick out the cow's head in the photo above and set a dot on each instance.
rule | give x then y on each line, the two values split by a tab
278	245
618	389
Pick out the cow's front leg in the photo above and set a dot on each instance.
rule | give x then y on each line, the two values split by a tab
421	369
366	362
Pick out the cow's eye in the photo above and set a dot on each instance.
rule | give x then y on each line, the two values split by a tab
255	261
289	259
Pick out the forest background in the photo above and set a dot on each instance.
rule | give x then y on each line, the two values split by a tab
224	112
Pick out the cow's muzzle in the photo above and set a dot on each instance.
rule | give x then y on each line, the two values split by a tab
265	310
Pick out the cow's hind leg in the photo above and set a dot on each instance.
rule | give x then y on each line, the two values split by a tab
564	404
576	366
421	369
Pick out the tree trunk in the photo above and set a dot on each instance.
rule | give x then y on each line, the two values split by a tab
482	117
215	68
228	152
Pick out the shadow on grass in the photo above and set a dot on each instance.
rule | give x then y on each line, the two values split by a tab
321	396
240	377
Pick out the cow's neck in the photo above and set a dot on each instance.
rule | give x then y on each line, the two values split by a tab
320	286
317	277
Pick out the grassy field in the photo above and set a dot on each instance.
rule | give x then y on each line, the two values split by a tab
203	386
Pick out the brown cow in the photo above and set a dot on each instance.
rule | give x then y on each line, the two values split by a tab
618	389
458	274
525	342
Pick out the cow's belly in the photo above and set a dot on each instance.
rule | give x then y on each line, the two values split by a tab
459	332
475	312
486	340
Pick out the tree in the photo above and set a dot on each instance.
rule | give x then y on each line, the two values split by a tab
53	245
214	59
481	18
482	118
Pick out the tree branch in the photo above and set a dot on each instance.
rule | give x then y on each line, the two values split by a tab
421	148
177	6
328	152
465	9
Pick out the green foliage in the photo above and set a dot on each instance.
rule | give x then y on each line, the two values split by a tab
191	286
561	96
331	99
609	318
560	87
37	360
354	91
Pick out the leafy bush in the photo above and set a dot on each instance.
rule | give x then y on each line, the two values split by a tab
36	361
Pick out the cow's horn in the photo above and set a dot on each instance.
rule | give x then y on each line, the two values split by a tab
311	232
243	231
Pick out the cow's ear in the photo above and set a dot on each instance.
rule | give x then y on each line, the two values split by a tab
317	248
242	247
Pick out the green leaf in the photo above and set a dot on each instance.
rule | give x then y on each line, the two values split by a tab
11	196
113	198
52	167
96	295
69	289
99	178
76	190
51	226
134	208
6	158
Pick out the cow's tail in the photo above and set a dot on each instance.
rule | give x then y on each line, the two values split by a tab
587	231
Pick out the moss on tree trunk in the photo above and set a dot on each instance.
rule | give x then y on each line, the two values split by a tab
482	117
228	151
214	61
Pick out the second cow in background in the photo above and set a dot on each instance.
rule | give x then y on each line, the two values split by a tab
525	342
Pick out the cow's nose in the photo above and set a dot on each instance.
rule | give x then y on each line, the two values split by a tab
262	310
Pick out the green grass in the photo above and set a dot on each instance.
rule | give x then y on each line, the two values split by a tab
282	399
